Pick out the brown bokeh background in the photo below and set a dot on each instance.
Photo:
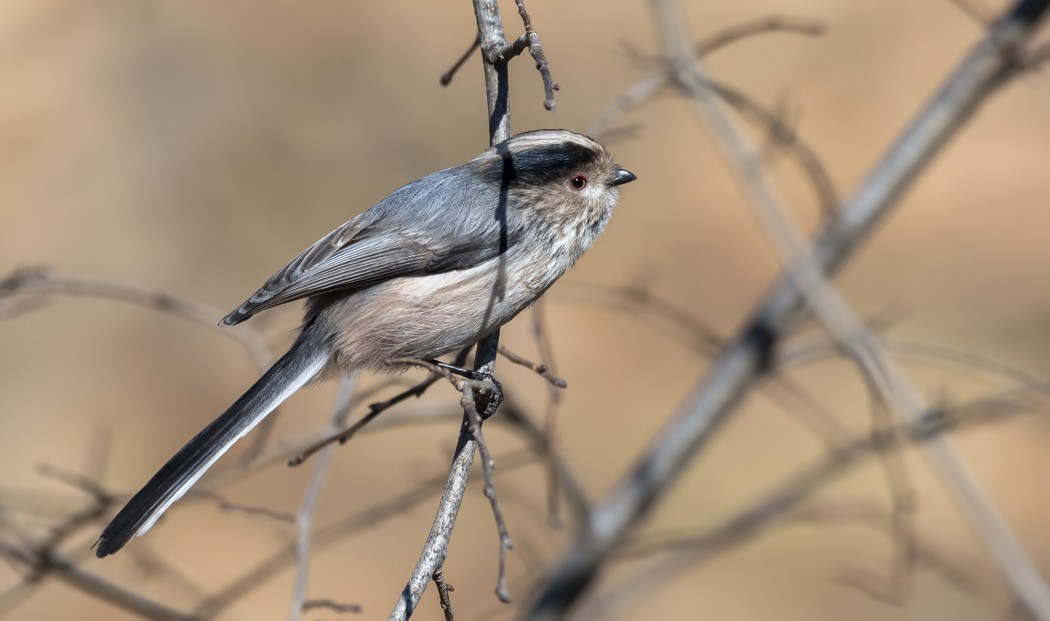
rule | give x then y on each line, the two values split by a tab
193	147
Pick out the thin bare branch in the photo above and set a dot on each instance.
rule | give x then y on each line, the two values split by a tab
444	589
334	606
37	281
473	393
305	515
541	335
536	367
374	410
446	78
32	281
233	507
536	51
356	522
763	25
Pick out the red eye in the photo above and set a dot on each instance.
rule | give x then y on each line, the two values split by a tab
578	182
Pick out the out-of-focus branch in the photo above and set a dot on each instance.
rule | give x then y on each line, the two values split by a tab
541	334
747	358
884	379
777	128
785	500
781	132
771	23
363	519
304	517
93	585
37	281
41	559
342	436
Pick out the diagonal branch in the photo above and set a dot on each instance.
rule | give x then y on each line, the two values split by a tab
886	381
748	356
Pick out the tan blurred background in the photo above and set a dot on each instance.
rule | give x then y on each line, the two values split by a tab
193	147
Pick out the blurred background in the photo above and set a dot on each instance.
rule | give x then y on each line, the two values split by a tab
192	148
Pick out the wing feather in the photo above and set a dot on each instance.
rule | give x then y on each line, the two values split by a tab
409	233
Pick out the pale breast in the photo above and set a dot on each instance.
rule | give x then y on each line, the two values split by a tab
429	316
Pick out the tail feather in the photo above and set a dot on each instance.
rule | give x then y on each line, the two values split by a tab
303	361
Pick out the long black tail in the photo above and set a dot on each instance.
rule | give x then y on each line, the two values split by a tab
297	367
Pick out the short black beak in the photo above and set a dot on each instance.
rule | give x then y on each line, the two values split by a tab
621	176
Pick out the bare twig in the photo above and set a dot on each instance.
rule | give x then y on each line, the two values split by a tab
488	464
446	78
444	589
41	559
538	368
349	525
536	51
331	604
232	507
748	356
550	415
701	338
374	410
473	421
796	488
783	134
747	162
674	553
879	371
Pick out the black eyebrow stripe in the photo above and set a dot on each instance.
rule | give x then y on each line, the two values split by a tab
558	158
536	164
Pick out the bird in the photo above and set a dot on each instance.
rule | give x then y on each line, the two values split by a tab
432	268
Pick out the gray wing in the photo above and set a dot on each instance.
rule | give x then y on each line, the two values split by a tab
425	227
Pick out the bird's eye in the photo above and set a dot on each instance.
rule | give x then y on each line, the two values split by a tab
578	182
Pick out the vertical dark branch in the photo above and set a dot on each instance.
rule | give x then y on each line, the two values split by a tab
493	43
494	48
